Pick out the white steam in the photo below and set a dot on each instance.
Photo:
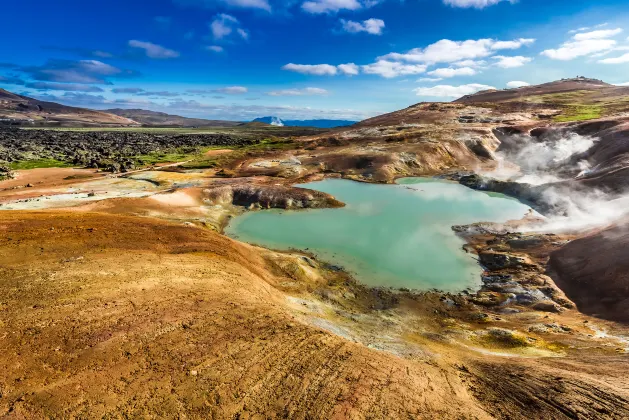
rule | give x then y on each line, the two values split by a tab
539	160
557	159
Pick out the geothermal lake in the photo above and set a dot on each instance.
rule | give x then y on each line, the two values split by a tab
387	235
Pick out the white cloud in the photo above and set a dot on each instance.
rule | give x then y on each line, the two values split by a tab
314	69
622	84
350	69
224	25
616	60
478	4
389	69
517	84
333	6
429	79
470	63
245	4
600	34
153	50
450	72
215	48
233	90
512	45
298	92
511	62
371	26
447	51
587	28
447	91
574	49
585	43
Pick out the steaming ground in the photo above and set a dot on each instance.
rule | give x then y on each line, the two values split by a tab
552	165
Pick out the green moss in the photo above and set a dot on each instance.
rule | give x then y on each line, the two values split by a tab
580	113
39	163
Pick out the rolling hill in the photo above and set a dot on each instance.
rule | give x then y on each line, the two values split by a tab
161	119
22	110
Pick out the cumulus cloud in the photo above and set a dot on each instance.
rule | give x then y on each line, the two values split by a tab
390	69
584	44
511	62
232	90
616	60
371	26
452	72
599	34
153	50
312	69
298	92
448	91
517	84
574	49
350	69
447	51
478	4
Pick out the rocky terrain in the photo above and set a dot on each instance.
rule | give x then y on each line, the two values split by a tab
112	151
138	306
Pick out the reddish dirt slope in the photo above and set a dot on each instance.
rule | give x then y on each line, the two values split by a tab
594	272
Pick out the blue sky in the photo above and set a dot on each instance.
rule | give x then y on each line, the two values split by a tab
351	59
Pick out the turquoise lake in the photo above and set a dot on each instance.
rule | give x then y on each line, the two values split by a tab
388	235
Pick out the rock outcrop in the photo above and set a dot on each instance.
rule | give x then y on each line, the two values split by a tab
269	196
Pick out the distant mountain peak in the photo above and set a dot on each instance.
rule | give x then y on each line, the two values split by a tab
278	122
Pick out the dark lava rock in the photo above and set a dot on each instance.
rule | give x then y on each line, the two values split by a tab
500	260
525	243
114	151
270	196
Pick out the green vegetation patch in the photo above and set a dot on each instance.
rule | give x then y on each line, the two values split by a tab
580	113
258	149
39	163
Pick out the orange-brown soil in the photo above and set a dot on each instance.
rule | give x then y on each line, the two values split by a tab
42	179
119	316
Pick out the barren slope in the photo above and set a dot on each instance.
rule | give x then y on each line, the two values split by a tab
27	111
127	316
